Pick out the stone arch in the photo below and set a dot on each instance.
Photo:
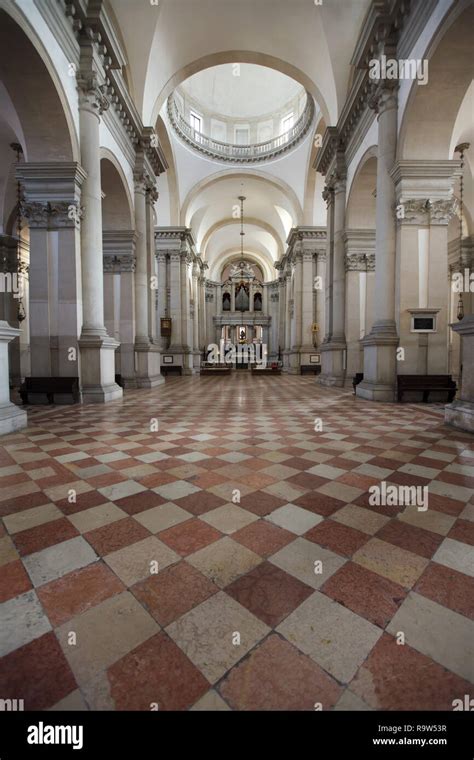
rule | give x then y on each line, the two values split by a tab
233	254
249	220
432	108
33	85
240	56
258	175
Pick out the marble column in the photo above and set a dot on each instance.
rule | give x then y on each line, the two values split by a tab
334	347
12	417
460	413
425	205
320	296
175	301
307	313
288	319
195	321
119	287
203	341
186	326
19	347
52	206
40	296
296	338
281	312
162	310
380	360
151	199
147	355
97	348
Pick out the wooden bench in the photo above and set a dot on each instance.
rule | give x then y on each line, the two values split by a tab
216	370
171	369
310	369
358	377
266	371
426	384
49	388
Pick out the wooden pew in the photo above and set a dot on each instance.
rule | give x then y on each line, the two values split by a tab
426	384
49	388
358	377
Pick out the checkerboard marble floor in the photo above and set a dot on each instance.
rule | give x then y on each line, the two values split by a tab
206	545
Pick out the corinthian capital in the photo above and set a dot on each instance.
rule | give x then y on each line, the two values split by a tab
152	193
383	95
37	213
91	93
441	211
328	194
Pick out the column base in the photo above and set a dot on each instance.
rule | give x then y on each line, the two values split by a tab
12	418
286	361
460	414
188	362
333	372
98	369
148	373
294	361
380	364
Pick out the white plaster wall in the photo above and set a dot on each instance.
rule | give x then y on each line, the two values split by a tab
108	141
370	139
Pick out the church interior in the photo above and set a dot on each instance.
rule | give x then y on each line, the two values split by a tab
236	355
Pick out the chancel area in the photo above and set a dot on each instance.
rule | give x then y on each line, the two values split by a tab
236	355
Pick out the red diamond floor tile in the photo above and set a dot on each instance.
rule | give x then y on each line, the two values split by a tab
156	641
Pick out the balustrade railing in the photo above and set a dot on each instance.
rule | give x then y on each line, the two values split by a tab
241	153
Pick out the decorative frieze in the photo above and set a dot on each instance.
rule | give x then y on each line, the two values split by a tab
93	29
360	250
423	211
360	262
114	264
56	215
382	27
64	214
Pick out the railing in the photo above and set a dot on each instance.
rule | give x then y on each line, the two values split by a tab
241	153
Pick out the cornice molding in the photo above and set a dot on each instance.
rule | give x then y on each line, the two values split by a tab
381	29
91	25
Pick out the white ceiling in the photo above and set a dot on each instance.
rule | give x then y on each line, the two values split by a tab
301	44
243	91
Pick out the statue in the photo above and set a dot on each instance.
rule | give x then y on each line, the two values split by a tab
241	268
